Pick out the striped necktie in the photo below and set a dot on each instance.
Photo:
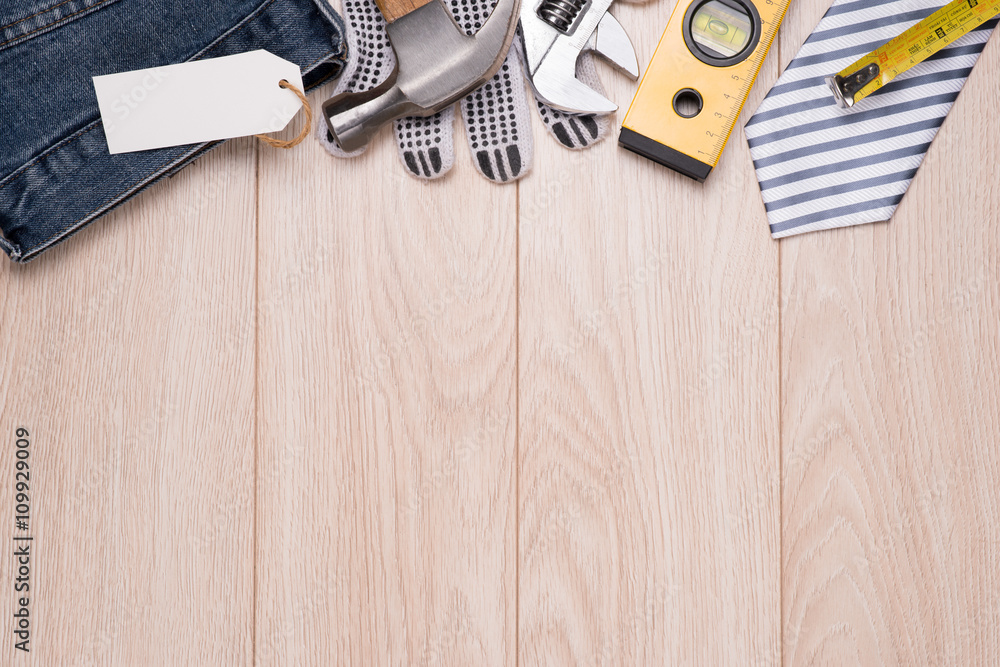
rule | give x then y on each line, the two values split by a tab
820	166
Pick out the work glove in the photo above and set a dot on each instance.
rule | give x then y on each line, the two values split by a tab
497	126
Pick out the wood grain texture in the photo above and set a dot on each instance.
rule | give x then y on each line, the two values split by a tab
648	386
385	501
891	411
288	409
116	354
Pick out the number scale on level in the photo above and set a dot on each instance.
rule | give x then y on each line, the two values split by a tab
711	52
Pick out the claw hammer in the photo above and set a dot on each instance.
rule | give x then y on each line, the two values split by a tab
437	64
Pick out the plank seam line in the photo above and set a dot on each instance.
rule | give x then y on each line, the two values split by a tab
781	452
256	399
517	423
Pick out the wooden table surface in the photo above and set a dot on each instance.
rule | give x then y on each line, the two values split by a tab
286	409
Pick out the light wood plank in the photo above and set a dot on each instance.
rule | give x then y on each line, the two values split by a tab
648	449
117	354
387	363
891	412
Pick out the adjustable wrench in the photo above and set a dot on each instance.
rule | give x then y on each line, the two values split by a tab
555	33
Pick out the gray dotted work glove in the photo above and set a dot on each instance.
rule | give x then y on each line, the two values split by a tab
497	126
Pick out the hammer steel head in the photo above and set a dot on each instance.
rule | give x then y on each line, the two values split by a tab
555	33
437	64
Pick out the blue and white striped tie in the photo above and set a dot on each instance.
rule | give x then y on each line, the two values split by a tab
820	166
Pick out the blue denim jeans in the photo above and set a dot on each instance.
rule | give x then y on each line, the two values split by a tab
56	174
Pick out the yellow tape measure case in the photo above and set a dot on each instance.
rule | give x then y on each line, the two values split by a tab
698	80
921	41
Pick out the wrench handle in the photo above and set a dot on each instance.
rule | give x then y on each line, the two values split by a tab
394	9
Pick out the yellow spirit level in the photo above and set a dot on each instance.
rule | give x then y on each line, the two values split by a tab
698	80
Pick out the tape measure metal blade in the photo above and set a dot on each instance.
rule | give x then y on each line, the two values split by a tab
915	45
697	82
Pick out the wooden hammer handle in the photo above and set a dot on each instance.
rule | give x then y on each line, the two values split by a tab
394	9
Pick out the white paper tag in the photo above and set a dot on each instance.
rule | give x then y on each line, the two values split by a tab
197	101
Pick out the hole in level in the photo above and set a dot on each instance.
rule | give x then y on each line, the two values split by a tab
688	103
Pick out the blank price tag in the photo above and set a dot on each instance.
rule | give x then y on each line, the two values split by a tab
197	101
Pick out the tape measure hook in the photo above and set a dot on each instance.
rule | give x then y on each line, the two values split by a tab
846	87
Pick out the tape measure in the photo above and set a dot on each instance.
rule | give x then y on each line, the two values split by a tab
914	46
698	80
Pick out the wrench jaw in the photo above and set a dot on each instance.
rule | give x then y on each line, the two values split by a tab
611	42
555	84
550	56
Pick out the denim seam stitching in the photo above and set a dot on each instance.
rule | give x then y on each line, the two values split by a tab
31	16
57	146
118	198
218	40
14	252
4	182
59	20
124	194
325	10
94	123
